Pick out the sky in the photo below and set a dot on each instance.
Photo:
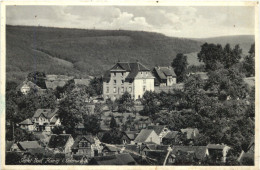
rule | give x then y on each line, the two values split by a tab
175	21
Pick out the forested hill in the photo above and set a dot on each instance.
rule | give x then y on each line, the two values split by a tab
86	52
244	41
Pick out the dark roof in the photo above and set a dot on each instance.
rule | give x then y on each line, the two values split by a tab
26	122
216	146
163	72
133	68
28	145
89	138
58	141
171	135
143	135
199	151
157	128
48	113
8	145
131	134
118	159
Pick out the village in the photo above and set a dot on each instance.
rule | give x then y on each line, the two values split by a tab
122	130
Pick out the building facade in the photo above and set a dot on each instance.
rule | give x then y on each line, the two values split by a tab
164	76
134	78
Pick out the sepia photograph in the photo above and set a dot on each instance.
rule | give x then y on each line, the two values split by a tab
142	85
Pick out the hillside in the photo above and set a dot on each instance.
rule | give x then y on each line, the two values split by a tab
86	52
244	41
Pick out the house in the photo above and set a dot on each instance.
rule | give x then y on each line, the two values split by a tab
218	152
189	154
27	86
111	149
8	145
134	78
129	135
147	135
157	157
54	81
84	82
170	138
27	145
160	130
119	159
87	145
191	133
27	125
247	155
164	76
61	143
46	119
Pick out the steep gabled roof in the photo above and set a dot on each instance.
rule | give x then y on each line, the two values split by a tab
171	135
58	141
157	128
143	135
28	145
48	113
8	145
132	68
199	151
89	138
163	72
26	122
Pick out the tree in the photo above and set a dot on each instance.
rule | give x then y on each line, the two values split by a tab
113	123
96	85
231	56
92	124
249	62
210	54
73	108
37	78
180	65
125	103
150	103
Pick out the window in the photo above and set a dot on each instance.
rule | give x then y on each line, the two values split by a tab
144	81
141	72
122	89
114	89
114	74
107	89
144	88
130	89
146	73
122	81
122	73
114	81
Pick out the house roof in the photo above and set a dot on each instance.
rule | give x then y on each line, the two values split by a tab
171	135
29	84
216	146
131	134
114	148
143	135
28	145
82	82
199	151
163	72
157	128
54	119
58	141
48	113
132	68
118	159
89	138
8	145
190	132
26	122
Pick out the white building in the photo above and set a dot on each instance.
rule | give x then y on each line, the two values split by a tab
134	78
